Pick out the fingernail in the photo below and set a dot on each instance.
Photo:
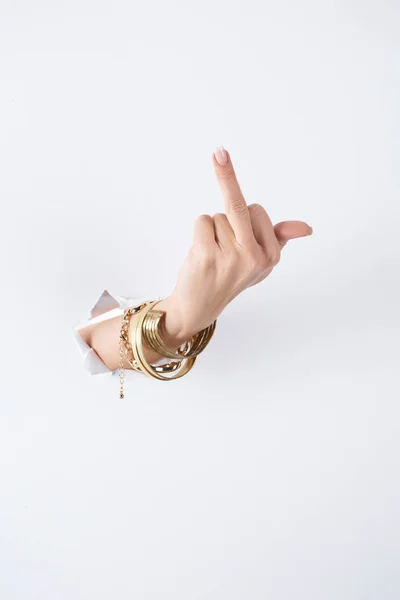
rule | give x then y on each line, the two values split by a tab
311	231
221	156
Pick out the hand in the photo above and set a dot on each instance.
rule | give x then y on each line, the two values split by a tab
230	253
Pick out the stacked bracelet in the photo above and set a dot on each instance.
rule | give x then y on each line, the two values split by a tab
146	329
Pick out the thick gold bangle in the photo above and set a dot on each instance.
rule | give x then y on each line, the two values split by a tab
152	324
136	341
126	346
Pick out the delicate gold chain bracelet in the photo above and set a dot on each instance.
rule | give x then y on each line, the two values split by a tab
126	351
125	347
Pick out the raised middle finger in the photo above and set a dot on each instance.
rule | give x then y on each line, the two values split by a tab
235	204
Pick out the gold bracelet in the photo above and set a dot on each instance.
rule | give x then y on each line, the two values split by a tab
183	366
124	335
125	349
151	335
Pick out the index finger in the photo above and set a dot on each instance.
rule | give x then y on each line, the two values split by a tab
235	204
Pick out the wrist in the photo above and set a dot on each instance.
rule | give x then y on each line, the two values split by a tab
173	332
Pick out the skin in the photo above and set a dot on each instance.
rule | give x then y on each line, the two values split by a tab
231	251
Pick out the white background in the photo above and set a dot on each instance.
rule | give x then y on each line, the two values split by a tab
272	471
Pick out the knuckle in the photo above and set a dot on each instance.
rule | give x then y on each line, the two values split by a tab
263	264
273	256
227	173
205	257
256	209
220	217
258	260
238	207
204	218
254	260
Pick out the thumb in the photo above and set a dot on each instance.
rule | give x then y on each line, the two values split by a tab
289	230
